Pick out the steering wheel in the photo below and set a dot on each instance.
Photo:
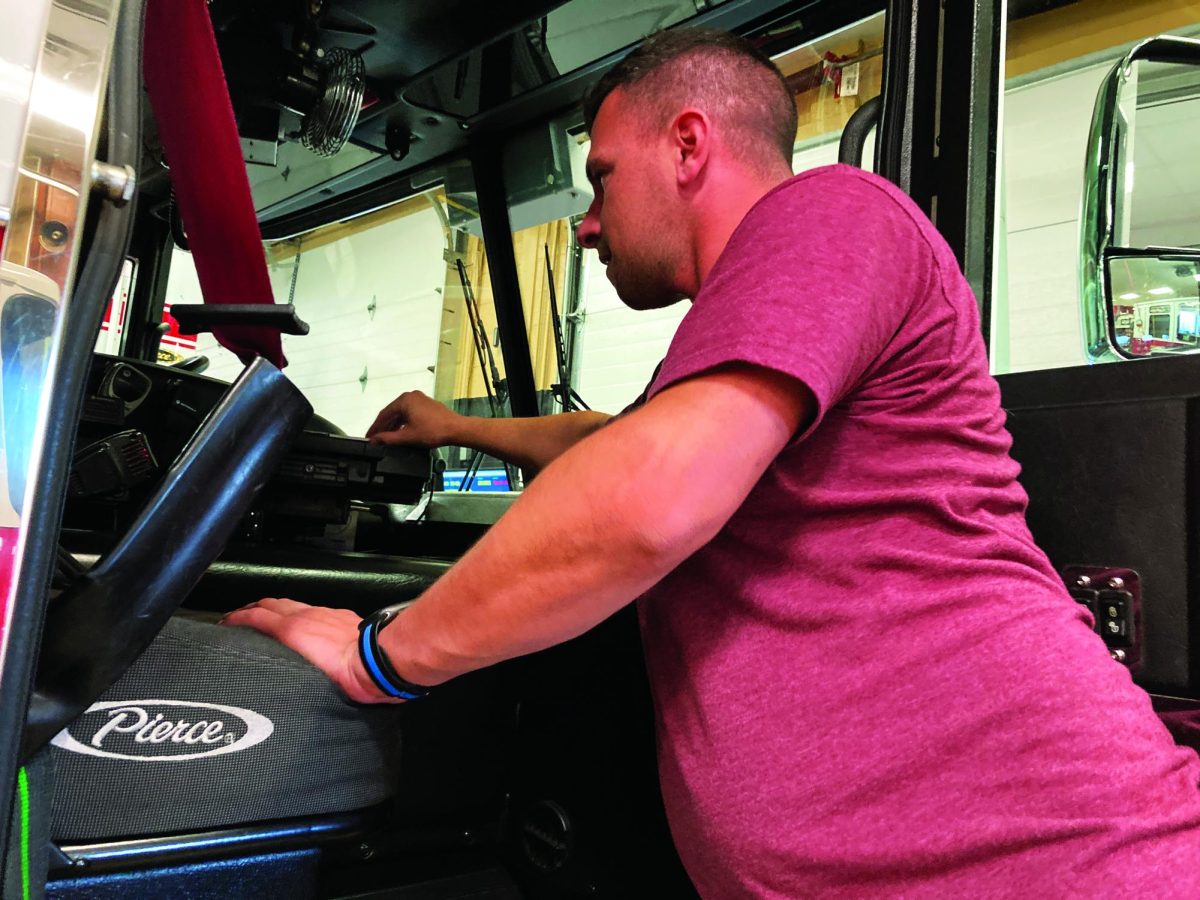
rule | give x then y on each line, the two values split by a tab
140	583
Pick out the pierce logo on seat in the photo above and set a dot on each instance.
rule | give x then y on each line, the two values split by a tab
163	730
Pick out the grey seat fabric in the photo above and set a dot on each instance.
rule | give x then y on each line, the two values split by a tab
213	727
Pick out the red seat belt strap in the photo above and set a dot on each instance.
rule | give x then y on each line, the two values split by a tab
191	103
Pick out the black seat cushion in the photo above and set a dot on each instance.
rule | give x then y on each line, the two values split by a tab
213	727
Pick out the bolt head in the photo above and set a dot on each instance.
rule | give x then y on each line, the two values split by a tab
1116	583
1083	581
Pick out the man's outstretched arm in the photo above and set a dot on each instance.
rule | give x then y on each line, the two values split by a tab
414	419
603	523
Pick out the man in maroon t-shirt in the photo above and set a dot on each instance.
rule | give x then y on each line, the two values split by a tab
868	680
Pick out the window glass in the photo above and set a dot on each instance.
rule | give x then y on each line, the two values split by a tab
297	170
545	183
1055	66
568	37
396	300
113	326
831	77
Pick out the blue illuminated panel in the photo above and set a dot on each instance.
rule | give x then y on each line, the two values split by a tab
485	480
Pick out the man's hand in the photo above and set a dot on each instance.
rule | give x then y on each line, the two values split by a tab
327	638
413	419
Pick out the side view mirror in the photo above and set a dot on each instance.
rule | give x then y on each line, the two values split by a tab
1140	224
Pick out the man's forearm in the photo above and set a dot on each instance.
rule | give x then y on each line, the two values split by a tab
573	549
598	528
531	443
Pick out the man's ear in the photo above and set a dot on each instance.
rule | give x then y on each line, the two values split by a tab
691	132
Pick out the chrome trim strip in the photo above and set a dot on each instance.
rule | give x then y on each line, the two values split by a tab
54	174
296	833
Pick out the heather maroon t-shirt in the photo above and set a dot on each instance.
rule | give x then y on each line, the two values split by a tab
871	682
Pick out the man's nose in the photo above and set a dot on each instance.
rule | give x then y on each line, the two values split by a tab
588	232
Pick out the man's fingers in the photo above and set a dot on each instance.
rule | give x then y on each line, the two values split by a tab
283	605
399	438
390	417
268	612
259	618
383	422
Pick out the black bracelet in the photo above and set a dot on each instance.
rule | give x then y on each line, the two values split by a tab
375	661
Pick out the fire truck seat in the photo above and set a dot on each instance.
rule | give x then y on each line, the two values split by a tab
213	727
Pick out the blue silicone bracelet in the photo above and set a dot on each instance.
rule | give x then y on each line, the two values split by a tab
376	663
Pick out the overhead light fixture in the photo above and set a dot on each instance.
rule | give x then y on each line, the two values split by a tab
1130	296
1161	291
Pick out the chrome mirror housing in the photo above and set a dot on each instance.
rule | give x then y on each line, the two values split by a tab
1140	222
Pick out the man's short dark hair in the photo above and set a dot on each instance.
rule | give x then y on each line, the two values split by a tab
721	73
